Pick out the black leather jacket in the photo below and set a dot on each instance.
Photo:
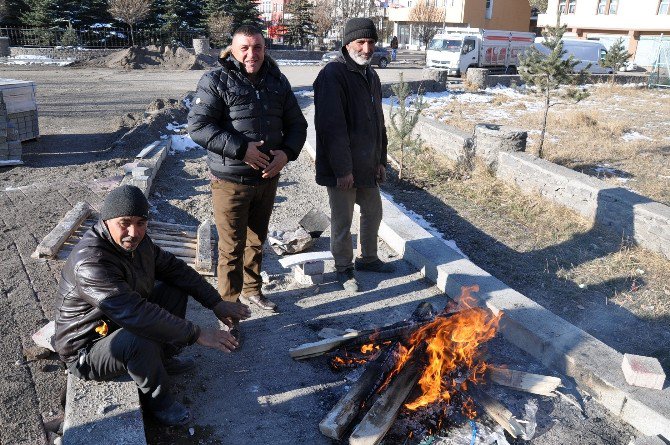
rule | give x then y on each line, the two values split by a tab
229	111
102	282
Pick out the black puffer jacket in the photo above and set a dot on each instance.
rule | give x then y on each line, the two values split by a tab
229	111
102	282
349	123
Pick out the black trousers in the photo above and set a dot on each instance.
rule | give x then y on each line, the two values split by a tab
123	352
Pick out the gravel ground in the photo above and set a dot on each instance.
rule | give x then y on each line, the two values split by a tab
257	394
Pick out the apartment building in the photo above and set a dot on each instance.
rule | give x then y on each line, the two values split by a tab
512	15
641	23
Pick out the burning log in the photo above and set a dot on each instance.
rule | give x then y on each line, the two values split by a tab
382	414
421	315
343	413
498	412
525	381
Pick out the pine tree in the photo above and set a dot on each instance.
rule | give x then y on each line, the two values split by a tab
549	73
616	57
300	24
84	13
403	119
40	13
244	12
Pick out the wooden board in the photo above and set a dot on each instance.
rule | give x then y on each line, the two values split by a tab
52	243
180	240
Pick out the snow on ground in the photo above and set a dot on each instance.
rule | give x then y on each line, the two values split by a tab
635	136
34	60
182	141
288	62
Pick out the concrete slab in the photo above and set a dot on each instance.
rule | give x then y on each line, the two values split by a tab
100	412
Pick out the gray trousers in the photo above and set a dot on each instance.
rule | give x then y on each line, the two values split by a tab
123	352
341	215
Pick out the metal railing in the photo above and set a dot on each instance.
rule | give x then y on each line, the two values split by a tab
96	37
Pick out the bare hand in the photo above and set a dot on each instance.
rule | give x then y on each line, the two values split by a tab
227	310
255	158
346	182
278	162
217	339
381	174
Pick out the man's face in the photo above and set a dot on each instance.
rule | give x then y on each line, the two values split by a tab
127	231
249	51
360	50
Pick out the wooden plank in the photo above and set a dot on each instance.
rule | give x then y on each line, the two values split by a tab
172	243
184	253
301	258
157	235
497	411
319	347
525	381
343	413
203	250
55	239
10	162
378	420
176	228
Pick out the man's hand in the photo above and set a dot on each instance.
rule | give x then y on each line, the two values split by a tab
278	162
227	310
381	174
255	158
346	182
217	339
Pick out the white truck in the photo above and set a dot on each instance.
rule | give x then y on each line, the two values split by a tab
589	54
457	49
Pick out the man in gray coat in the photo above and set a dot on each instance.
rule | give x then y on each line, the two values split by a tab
351	148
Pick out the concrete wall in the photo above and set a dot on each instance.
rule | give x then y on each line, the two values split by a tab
622	211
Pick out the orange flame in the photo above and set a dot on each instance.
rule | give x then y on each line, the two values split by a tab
451	344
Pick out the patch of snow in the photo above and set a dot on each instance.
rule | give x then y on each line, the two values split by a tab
183	142
305	93
288	62
426	225
635	136
173	126
35	60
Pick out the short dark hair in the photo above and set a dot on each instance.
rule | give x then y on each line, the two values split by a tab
248	30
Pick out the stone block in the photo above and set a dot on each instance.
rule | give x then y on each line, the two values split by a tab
648	440
312	268
45	336
306	280
643	371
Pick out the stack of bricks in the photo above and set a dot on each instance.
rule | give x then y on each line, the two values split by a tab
10	146
26	124
21	103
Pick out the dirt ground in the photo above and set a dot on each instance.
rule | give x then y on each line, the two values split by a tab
618	133
258	394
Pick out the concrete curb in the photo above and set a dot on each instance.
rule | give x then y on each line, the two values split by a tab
100	412
594	366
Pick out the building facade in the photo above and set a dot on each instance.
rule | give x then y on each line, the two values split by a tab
510	15
641	23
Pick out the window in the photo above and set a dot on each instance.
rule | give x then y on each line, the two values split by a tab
663	7
489	9
607	7
561	7
571	6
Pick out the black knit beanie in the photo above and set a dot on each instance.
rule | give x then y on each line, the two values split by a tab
359	28
126	200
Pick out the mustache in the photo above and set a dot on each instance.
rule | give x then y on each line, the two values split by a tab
129	239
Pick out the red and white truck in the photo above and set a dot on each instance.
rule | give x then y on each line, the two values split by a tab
457	49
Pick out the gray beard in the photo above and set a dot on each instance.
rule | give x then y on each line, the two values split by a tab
360	60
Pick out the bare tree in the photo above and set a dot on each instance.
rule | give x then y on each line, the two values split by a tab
220	26
130	12
324	17
427	19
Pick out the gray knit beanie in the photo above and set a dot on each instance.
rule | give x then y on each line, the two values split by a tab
126	200
359	28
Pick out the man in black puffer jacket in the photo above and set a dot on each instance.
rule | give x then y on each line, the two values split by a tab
249	120
122	302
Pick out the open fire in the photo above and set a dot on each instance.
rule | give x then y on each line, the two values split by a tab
440	354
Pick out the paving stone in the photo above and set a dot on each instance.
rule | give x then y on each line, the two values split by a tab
642	371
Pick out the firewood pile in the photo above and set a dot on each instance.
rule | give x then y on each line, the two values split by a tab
429	368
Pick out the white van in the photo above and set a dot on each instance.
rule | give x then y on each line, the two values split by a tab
584	51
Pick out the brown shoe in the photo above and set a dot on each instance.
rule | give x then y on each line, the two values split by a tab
260	301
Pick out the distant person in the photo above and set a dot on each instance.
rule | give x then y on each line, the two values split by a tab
247	117
394	48
351	149
121	306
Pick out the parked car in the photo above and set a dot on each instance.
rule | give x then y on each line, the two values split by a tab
380	57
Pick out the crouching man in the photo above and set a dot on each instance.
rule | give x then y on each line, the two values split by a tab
122	302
